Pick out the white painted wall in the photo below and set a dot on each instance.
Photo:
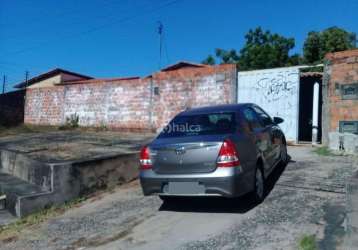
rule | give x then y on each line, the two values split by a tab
276	91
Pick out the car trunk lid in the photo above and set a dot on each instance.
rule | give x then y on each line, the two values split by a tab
186	155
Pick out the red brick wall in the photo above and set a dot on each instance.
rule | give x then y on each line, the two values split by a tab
114	104
344	70
341	68
192	87
130	104
44	106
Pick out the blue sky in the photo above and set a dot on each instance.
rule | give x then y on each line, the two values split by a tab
111	38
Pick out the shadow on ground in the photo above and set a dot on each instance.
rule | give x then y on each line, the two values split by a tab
221	205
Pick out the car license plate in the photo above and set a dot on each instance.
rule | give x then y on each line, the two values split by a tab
185	188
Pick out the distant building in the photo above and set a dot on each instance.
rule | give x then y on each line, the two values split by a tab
51	78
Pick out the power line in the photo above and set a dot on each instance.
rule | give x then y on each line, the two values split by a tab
63	14
99	27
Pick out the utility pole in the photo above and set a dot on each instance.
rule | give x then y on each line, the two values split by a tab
3	84
160	32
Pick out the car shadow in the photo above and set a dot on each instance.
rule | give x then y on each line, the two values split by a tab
219	204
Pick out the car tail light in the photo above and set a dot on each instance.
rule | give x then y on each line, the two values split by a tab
145	161
228	156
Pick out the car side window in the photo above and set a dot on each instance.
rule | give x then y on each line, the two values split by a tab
264	118
252	119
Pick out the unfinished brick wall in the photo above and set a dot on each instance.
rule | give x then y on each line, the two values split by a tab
44	106
132	104
113	104
341	69
192	87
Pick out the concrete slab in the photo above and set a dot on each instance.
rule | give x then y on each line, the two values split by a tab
6	218
43	169
351	240
62	146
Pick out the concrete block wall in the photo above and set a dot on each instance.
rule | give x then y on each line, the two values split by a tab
341	68
132	104
56	183
343	142
25	168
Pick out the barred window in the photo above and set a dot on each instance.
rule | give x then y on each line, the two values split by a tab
348	127
349	91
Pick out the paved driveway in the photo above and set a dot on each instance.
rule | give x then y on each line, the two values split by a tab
307	197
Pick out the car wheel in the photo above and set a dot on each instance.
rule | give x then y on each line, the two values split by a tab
166	198
283	153
259	192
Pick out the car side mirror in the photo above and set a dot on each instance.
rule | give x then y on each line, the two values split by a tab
277	120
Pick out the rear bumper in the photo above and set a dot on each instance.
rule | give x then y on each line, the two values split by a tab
227	182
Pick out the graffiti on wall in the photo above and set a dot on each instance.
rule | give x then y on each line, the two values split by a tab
275	88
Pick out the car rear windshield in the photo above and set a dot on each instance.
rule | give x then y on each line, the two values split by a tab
200	124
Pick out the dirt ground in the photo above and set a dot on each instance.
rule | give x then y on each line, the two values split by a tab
72	145
307	197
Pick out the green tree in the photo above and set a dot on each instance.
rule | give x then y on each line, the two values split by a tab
261	50
312	47
294	60
266	50
318	44
210	60
227	56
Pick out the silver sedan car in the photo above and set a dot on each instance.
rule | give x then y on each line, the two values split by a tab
225	150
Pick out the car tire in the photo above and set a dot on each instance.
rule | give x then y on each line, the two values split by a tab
283	154
259	191
167	199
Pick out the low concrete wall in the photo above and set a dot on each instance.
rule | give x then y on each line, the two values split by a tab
67	180
105	171
25	168
343	142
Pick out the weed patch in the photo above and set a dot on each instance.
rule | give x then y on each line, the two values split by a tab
307	242
323	151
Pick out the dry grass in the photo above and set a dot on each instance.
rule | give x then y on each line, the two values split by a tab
24	129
